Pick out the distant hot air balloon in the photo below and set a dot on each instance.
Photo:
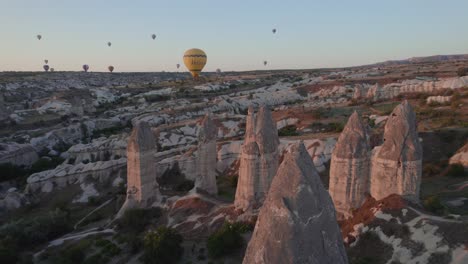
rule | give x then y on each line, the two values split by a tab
195	60
109	44
46	68
273	30
178	65
218	70
265	63
153	36
39	37
111	68
46	61
86	67
52	69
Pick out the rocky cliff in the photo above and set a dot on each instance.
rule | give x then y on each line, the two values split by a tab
297	222
349	168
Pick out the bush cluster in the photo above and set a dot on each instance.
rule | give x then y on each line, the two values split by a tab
162	245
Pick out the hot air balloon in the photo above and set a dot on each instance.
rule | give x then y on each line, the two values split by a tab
46	61
153	36
111	68
178	65
46	68
52	69
218	70
273	30
39	37
195	60
109	44
265	63
86	67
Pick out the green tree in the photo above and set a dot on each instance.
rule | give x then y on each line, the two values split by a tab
162	245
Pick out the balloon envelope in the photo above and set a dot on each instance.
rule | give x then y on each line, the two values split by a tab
46	68
178	65
86	67
265	63
109	44
195	60
46	61
153	36
39	37
52	69
274	30
111	68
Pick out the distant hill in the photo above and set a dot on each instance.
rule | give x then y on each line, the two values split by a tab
435	58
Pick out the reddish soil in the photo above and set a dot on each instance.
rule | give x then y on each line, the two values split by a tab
365	215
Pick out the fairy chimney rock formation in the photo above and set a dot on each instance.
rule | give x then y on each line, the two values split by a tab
396	165
206	159
258	159
349	168
142	187
266	136
299	213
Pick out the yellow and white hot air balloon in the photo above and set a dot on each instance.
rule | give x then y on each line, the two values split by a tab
195	60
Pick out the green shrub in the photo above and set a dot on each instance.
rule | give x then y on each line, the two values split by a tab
456	170
225	241
162	246
135	220
286	131
433	204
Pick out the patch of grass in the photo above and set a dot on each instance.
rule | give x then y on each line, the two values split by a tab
135	220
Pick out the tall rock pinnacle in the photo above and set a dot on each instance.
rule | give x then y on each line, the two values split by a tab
258	160
396	165
350	166
297	223
206	159
142	187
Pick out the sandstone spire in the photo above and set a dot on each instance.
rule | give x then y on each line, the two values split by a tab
206	158
297	222
349	169
396	165
258	160
142	187
249	166
266	136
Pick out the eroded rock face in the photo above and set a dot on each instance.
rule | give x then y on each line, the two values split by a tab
18	154
206	158
298	212
142	187
461	157
349	168
396	165
258	159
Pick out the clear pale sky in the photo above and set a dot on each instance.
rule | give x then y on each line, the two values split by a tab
236	35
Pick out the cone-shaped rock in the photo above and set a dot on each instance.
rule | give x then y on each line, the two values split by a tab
297	222
350	167
206	158
142	187
396	165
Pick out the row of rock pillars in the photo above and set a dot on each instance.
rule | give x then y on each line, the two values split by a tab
142	187
297	210
356	171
